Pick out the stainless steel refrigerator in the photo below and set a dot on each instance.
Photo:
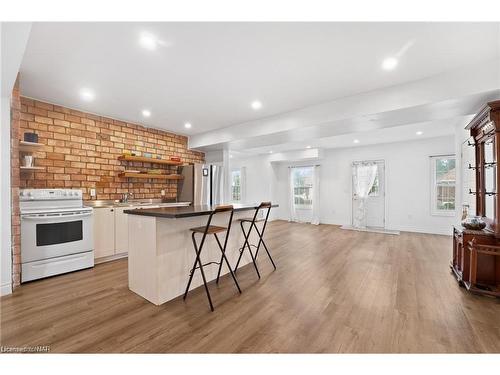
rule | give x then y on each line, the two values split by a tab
203	184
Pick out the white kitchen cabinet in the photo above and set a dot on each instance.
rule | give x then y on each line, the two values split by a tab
111	230
104	232
121	230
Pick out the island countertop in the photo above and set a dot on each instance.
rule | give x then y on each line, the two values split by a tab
189	211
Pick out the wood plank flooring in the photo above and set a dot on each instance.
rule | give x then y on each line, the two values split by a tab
334	291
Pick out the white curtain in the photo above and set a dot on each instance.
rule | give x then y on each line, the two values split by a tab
363	177
291	200
315	196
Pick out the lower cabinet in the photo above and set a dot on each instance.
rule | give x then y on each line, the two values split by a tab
104	232
111	231
121	230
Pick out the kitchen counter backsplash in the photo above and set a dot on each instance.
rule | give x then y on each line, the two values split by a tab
81	151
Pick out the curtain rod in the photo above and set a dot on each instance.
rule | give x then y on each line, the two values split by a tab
305	166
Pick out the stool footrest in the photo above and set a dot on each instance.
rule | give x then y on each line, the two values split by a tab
204	264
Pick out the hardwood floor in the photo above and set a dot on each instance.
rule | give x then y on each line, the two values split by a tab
334	291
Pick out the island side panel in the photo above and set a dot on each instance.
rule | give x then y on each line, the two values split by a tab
142	257
176	255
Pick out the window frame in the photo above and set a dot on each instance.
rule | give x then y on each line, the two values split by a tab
300	206
434	186
239	170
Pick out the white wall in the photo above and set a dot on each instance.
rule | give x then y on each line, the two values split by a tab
408	188
14	37
5	248
260	181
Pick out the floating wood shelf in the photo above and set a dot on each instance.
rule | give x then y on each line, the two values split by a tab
32	168
151	175
29	146
148	160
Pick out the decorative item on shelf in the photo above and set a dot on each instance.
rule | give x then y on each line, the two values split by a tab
155	171
175	158
31	137
28	161
473	223
147	154
158	157
131	171
465	211
128	153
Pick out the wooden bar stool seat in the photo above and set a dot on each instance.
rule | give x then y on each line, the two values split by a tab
208	230
249	220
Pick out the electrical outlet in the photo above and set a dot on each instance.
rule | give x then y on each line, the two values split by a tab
163	193
92	193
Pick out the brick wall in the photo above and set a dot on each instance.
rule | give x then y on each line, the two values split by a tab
81	152
15	106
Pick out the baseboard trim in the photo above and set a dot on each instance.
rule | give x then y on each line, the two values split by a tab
110	258
6	289
372	230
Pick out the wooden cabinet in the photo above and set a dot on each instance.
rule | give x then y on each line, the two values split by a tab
463	240
476	254
104	232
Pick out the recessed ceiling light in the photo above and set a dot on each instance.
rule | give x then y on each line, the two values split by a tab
146	113
308	146
256	105
271	152
87	94
187	125
419	132
230	156
148	41
389	63
356	141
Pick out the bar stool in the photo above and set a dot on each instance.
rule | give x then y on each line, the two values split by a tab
247	245
211	229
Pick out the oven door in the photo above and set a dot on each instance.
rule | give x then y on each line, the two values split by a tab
49	235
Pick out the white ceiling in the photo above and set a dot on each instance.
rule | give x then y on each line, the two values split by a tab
208	73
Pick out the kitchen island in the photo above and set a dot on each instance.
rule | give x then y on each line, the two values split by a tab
161	251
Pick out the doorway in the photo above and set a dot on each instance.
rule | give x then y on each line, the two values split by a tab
368	207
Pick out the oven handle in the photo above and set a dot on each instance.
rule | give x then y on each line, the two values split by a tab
48	217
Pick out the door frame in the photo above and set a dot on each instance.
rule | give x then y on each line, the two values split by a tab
385	189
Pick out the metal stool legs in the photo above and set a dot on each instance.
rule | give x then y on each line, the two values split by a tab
247	245
261	241
223	251
261	238
191	273
208	229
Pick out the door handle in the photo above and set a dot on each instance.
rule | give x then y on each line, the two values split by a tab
58	216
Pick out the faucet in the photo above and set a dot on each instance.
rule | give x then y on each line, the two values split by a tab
125	197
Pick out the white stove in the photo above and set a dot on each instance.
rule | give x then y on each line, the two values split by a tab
56	233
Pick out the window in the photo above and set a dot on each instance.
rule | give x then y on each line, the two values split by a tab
443	185
236	185
302	178
374	191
